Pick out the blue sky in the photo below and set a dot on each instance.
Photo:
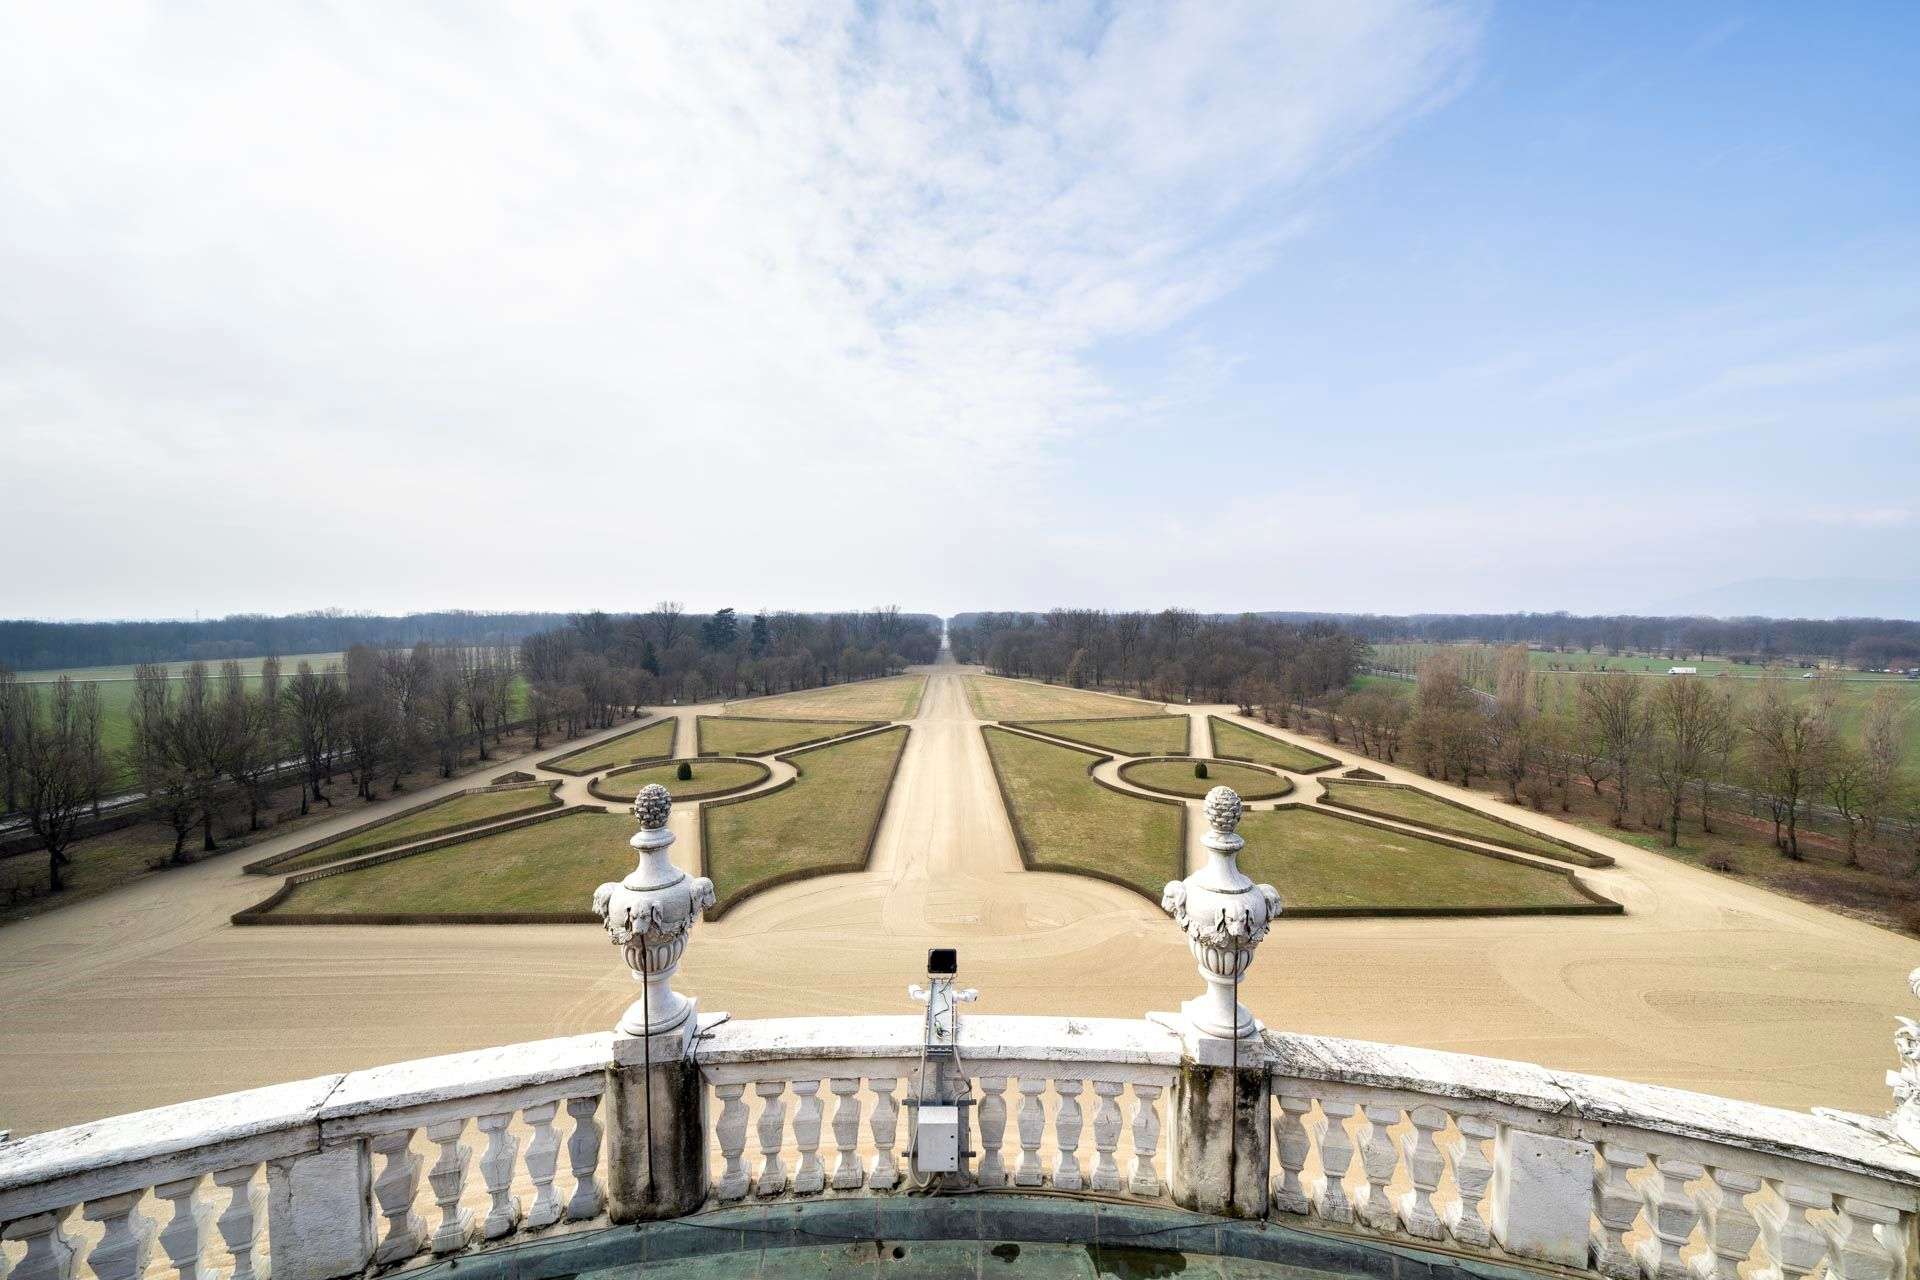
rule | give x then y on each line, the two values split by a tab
1391	305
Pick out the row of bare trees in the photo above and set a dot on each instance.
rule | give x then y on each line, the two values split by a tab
1660	747
52	766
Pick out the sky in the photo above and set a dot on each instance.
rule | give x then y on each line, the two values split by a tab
1374	305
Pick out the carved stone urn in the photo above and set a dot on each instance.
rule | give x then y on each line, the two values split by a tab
1904	1119
649	915
1224	915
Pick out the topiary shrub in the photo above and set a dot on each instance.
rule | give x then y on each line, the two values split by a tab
685	772
1200	769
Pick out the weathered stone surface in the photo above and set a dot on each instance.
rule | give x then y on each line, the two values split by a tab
1543	1197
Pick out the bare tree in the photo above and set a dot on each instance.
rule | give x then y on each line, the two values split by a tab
154	754
446	709
478	688
1683	713
202	746
1843	777
61	768
367	719
1787	742
1883	745
314	700
1614	712
253	732
11	710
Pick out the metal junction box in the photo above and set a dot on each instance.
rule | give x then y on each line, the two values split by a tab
937	1141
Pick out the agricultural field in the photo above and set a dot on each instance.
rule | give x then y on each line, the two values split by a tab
998	698
250	666
1236	741
1130	736
710	778
1410	804
648	742
1176	776
543	867
1320	860
1065	821
423	823
825	821
888	698
751	736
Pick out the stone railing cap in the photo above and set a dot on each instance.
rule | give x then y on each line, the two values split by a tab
983	1037
461	1075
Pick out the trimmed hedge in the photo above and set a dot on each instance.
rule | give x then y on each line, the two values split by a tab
854	728
1327	761
593	788
264	865
1282	785
557	764
1583	856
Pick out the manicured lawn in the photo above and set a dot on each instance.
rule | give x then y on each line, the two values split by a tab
1319	859
888	698
823	822
646	743
997	698
1177	776
1410	804
422	822
1231	740
1068	822
750	736
710	777
1134	736
547	866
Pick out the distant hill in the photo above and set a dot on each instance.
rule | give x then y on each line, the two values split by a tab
1802	598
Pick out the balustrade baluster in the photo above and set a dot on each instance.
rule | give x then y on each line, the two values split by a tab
496	1170
448	1178
1794	1248
847	1173
882	1125
1106	1135
1731	1228
126	1236
1291	1145
395	1189
1329	1190
1671	1213
49	1254
543	1156
993	1130
810	1176
1146	1141
1472	1172
185	1233
1067	1123
1033	1123
1616	1207
239	1223
1379	1160
583	1159
1425	1164
772	1128
730	1131
1857	1240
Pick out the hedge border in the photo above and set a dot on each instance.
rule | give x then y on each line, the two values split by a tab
516	775
1031	859
1363	774
978	714
259	913
1597	904
721	907
593	787
551	765
912	711
261	866
857	727
1034	728
1218	754
1286	783
1599	860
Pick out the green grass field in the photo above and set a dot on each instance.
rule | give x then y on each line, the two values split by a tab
546	867
1068	822
1177	777
1232	740
822	822
1319	859
1133	736
1410	804
888	698
424	822
710	777
644	743
747	736
997	698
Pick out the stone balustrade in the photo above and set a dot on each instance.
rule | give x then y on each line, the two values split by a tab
422	1160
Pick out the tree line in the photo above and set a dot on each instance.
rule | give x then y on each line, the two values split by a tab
1664	750
1174	655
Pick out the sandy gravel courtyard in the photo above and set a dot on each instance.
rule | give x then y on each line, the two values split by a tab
149	995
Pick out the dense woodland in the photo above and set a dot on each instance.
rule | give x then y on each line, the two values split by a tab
1175	655
36	646
1666	751
206	740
